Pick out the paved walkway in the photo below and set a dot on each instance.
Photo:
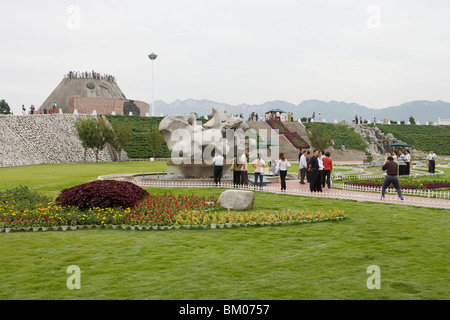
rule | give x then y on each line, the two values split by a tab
295	188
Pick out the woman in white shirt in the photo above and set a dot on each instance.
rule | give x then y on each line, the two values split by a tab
283	165
259	165
319	158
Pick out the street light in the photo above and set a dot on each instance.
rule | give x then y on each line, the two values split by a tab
153	57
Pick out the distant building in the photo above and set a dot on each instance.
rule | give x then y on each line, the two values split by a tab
443	122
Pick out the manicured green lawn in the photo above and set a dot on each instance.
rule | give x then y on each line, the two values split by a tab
327	260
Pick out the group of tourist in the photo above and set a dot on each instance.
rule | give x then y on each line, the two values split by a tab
403	160
90	75
316	169
400	165
54	109
240	167
254	116
278	116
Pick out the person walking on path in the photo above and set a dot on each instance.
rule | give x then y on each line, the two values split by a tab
218	168
327	168
244	174
259	165
431	161
391	168
283	165
314	171
303	166
308	158
320	179
237	168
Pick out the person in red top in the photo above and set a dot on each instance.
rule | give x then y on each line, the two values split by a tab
327	168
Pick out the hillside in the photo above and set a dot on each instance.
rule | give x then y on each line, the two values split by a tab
343	136
138	146
422	137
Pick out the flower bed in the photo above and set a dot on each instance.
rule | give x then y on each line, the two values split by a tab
163	211
160	210
405	183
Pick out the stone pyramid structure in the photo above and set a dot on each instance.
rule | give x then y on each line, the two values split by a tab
88	94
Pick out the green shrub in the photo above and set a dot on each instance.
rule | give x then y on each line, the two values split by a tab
23	198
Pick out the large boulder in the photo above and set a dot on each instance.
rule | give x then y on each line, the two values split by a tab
237	199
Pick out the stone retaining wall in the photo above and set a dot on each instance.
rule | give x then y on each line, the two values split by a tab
40	139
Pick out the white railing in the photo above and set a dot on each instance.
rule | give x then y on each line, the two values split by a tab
412	192
341	195
362	176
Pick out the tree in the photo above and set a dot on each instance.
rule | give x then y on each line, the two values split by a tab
154	138
122	136
94	133
321	137
4	107
412	120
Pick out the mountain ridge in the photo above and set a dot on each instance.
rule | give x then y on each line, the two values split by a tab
422	110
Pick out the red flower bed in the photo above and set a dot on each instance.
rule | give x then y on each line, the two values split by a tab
103	194
161	209
291	136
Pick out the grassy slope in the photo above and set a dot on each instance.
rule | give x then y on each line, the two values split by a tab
313	261
343	136
422	137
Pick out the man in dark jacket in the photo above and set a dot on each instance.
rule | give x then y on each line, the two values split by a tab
313	170
391	168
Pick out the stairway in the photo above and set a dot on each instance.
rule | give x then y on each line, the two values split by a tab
285	146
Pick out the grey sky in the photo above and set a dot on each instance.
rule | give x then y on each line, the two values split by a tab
375	53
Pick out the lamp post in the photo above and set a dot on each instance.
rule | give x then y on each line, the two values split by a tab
153	57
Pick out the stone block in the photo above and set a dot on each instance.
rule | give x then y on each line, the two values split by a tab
237	199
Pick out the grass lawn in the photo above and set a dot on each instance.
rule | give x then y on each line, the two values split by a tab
327	260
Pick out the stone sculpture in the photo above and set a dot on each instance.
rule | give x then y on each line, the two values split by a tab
193	145
193	142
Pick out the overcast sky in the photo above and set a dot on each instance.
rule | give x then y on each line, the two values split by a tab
375	53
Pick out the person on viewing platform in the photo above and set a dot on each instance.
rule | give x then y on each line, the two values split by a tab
431	161
391	168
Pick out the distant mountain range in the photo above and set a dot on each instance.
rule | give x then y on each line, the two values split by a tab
422	110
